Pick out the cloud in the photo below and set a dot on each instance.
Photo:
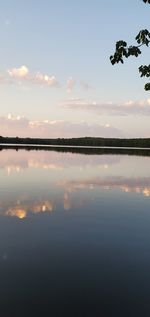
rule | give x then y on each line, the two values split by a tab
118	109
22	73
85	85
11	125
70	84
45	79
21	126
68	129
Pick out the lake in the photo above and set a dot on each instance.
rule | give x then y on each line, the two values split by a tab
74	233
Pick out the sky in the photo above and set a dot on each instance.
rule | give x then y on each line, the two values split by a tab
56	79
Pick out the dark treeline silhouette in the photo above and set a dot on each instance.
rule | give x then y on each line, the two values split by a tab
80	150
84	141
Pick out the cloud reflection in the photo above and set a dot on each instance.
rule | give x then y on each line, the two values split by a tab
69	198
65	181
21	211
51	160
17	211
67	201
128	185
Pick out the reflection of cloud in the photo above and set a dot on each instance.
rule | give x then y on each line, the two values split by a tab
22	160
17	211
21	126
127	185
42	207
25	205
129	107
146	191
37	164
21	210
67	201
12	162
13	168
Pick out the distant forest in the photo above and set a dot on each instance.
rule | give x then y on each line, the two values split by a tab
84	141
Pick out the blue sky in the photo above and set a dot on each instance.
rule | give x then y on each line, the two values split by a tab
56	77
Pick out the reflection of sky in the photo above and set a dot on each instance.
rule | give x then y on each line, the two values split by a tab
43	182
10	161
50	160
128	185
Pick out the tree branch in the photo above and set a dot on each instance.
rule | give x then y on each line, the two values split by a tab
123	51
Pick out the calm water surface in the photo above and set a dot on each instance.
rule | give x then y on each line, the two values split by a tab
74	234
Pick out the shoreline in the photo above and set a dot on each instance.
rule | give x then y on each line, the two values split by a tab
21	145
82	142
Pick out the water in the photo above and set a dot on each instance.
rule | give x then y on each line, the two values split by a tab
74	234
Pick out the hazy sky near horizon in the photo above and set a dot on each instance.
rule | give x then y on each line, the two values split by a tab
56	79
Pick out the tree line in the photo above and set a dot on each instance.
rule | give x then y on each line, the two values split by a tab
83	141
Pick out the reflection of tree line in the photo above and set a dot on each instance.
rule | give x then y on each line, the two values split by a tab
86	151
84	141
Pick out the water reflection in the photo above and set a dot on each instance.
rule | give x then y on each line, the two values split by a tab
127	185
69	181
22	210
74	234
22	160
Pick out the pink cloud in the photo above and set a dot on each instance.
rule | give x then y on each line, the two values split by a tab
21	126
118	109
70	84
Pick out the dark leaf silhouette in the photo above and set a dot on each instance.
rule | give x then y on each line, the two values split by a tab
124	51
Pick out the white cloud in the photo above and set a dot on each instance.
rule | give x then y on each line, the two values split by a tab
118	109
23	74
46	79
20	72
